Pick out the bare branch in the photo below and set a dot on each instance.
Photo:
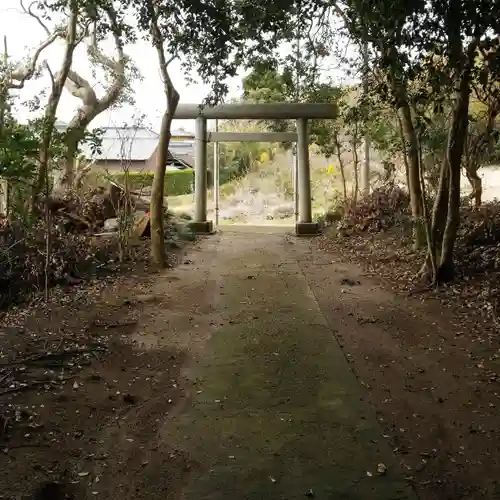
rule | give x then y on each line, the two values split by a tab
21	75
158	44
94	51
116	67
30	11
84	29
51	74
167	63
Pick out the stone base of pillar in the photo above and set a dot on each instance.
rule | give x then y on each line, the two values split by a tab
306	228
206	227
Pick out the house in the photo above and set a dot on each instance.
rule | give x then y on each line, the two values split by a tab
182	135
135	148
182	146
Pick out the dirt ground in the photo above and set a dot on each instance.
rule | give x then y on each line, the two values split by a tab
79	400
430	372
88	382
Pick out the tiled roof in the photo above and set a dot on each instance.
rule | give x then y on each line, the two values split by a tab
137	144
129	143
181	161
184	150
181	132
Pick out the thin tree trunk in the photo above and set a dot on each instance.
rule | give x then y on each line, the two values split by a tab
4	89
476	185
455	147
414	185
356	171
475	148
355	158
438	223
446	264
405	152
338	150
68	178
440	205
157	191
366	161
158	188
428	230
454	155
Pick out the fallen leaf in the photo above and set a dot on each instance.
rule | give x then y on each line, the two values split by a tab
381	468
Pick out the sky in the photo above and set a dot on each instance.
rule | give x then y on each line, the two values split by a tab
24	35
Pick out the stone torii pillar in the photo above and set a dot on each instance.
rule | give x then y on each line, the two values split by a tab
200	224
305	225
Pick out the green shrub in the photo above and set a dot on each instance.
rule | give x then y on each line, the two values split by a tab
227	190
229	173
177	182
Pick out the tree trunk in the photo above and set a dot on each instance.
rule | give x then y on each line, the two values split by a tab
92	106
440	205
157	192
54	98
405	152
428	228
446	265
172	97
477	148
75	132
414	185
356	171
366	90
438	222
355	158
338	150
455	148
68	179
476	185
158	187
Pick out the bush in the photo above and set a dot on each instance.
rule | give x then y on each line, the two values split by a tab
177	182
229	173
227	190
22	258
384	208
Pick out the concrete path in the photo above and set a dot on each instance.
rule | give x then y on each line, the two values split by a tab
275	410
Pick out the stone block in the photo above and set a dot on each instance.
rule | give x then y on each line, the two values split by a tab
306	229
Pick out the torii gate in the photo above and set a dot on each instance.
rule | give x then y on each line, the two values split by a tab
300	112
